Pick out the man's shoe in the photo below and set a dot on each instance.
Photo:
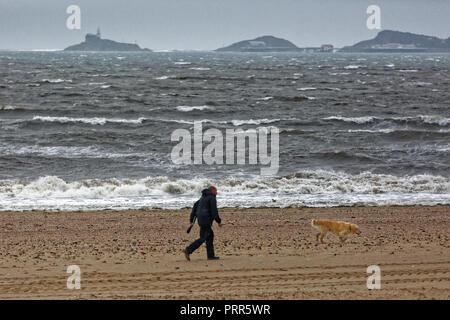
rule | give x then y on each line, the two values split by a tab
186	254
213	258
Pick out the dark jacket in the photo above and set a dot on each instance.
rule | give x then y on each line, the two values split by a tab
205	209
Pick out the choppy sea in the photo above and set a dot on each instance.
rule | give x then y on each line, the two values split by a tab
93	130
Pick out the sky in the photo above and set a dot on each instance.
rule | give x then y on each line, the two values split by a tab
210	24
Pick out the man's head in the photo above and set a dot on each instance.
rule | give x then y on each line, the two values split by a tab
213	190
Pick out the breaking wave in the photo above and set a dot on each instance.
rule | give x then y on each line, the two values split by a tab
192	108
72	152
253	122
442	121
420	119
9	108
94	121
308	188
55	80
103	121
358	120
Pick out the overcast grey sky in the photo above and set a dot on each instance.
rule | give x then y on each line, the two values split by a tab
209	24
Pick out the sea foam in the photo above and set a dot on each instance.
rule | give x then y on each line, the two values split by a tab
307	188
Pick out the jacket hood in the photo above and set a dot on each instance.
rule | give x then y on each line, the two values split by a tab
207	192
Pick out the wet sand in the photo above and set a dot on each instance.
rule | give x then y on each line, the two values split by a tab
265	254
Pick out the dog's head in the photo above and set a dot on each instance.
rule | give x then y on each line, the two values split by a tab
355	229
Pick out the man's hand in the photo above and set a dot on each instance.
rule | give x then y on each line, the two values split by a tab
220	225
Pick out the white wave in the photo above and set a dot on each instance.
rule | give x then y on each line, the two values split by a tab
182	63
351	67
8	108
233	122
308	188
200	69
408	70
307	89
254	122
359	120
390	130
55	80
192	108
373	131
443	149
265	98
192	122
44	50
180	121
340	73
162	78
105	86
94	121
430	119
64	152
103	121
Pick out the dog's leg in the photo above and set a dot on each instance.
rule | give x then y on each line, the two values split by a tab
342	237
317	236
323	234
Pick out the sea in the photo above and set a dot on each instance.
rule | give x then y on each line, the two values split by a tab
92	131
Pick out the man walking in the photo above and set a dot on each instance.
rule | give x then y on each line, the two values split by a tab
205	210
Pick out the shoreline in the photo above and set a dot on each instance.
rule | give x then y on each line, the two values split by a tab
266	253
158	210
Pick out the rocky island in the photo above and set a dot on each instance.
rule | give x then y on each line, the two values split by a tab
94	42
396	41
261	44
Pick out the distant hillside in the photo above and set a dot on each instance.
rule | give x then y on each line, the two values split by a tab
95	43
396	41
261	44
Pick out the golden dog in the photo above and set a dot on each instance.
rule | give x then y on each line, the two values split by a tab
339	228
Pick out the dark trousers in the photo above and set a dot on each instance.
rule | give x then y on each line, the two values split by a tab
206	235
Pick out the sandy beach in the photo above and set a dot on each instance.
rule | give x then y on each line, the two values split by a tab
266	253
